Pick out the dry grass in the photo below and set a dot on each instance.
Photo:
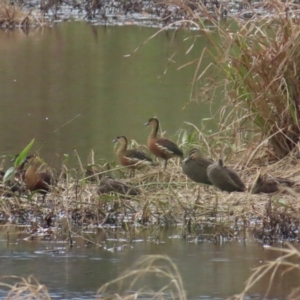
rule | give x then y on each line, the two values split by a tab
284	264
254	67
13	15
151	268
167	198
24	288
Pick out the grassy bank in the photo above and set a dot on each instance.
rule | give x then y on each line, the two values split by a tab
167	198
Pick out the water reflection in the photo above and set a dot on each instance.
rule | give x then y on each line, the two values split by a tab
76	72
208	270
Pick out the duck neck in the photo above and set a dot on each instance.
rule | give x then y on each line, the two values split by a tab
37	165
153	133
122	148
34	164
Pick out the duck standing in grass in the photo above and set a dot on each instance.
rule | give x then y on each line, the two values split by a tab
224	178
131	158
161	147
195	167
38	176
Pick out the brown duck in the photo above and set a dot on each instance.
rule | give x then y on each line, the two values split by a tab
225	178
161	147
195	167
264	184
110	185
37	176
131	158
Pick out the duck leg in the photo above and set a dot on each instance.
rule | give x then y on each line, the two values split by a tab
165	165
132	173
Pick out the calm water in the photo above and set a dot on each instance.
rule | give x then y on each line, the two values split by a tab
77	72
209	271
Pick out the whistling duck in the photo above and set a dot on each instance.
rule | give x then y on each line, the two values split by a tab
224	178
108	185
195	166
269	185
161	147
37	176
131	158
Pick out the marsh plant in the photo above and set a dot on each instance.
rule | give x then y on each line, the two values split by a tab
286	263
12	14
255	64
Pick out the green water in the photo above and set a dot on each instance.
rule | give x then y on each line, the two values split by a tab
73	87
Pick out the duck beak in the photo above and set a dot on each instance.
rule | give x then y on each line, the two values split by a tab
146	124
114	141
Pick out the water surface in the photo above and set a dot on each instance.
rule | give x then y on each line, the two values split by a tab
79	72
209	270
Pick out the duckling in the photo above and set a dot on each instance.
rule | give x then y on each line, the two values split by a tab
263	184
37	176
108	185
195	166
161	147
225	178
131	158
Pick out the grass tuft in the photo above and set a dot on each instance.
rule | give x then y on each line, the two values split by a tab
14	15
282	265
255	65
24	288
151	268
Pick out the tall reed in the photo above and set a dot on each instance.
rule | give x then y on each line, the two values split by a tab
256	63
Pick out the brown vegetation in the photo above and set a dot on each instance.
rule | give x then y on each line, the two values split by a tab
257	67
24	288
283	265
13	15
163	198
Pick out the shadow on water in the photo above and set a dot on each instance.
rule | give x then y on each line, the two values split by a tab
208	270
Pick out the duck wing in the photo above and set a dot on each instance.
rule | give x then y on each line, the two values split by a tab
168	147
